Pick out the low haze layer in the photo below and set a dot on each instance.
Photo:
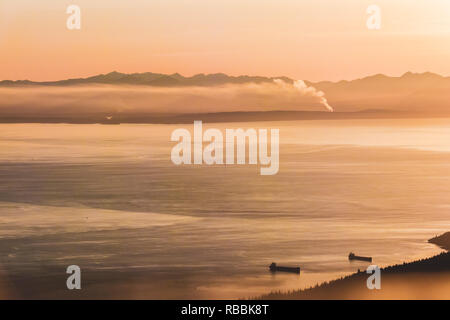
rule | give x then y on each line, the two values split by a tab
425	94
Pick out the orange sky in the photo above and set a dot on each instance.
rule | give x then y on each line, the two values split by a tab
303	39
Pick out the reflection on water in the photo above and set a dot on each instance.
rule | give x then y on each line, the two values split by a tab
108	199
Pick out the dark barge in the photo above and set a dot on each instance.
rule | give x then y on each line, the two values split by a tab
274	268
352	256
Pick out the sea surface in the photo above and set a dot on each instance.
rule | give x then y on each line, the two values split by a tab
108	199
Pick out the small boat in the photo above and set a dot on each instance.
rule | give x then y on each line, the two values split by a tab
352	256
109	120
274	268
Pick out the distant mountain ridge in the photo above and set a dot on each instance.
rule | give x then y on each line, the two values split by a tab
426	94
176	79
151	79
412	92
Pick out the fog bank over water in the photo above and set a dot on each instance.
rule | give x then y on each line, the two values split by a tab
85	100
130	97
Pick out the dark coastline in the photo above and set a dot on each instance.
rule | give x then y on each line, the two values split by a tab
442	241
154	118
420	279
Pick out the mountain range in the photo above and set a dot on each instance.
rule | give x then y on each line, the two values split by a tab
150	79
426	79
410	95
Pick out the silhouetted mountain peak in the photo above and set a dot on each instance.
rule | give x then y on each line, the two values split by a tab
158	79
114	73
424	75
378	76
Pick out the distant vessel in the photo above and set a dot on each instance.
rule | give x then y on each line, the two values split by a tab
109	120
274	268
352	256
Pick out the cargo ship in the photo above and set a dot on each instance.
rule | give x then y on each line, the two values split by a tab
274	268
352	256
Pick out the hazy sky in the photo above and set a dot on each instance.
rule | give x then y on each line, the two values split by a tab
303	39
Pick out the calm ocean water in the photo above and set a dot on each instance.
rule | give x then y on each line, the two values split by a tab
108	198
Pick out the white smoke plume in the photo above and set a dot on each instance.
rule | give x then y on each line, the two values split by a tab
308	90
301	85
